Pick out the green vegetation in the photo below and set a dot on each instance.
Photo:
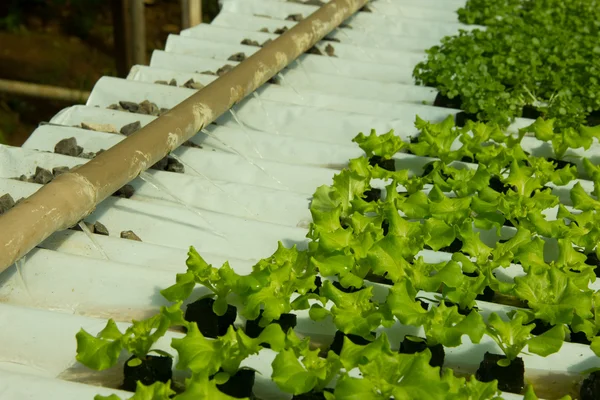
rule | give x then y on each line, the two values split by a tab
538	54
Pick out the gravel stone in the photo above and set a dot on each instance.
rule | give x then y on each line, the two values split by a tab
237	57
68	147
100	229
56	171
330	50
129	106
99	127
161	165
149	108
125	192
6	203
250	42
130	128
130	235
42	176
294	17
224	69
193	85
175	166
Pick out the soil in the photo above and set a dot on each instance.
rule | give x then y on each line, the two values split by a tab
590	388
151	369
66	44
210	324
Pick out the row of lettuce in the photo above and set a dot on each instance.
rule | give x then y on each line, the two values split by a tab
532	58
362	237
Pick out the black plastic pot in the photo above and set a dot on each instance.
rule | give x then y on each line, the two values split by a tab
415	344
385	226
496	184
386	164
239	385
372	195
590	388
531	112
338	341
461	118
446	102
487	295
592	259
151	369
286	321
210	324
562	163
454	247
312	395
593	118
578	337
510	378
540	327
461	310
349	289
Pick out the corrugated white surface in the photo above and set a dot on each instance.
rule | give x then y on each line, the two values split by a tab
247	188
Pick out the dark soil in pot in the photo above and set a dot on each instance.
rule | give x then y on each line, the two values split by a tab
210	324
338	341
149	370
510	378
415	344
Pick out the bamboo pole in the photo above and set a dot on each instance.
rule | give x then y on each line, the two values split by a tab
43	91
191	13
136	10
129	33
73	195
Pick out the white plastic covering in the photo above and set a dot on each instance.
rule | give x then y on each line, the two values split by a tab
247	188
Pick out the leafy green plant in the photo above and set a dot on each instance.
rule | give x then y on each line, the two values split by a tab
534	54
